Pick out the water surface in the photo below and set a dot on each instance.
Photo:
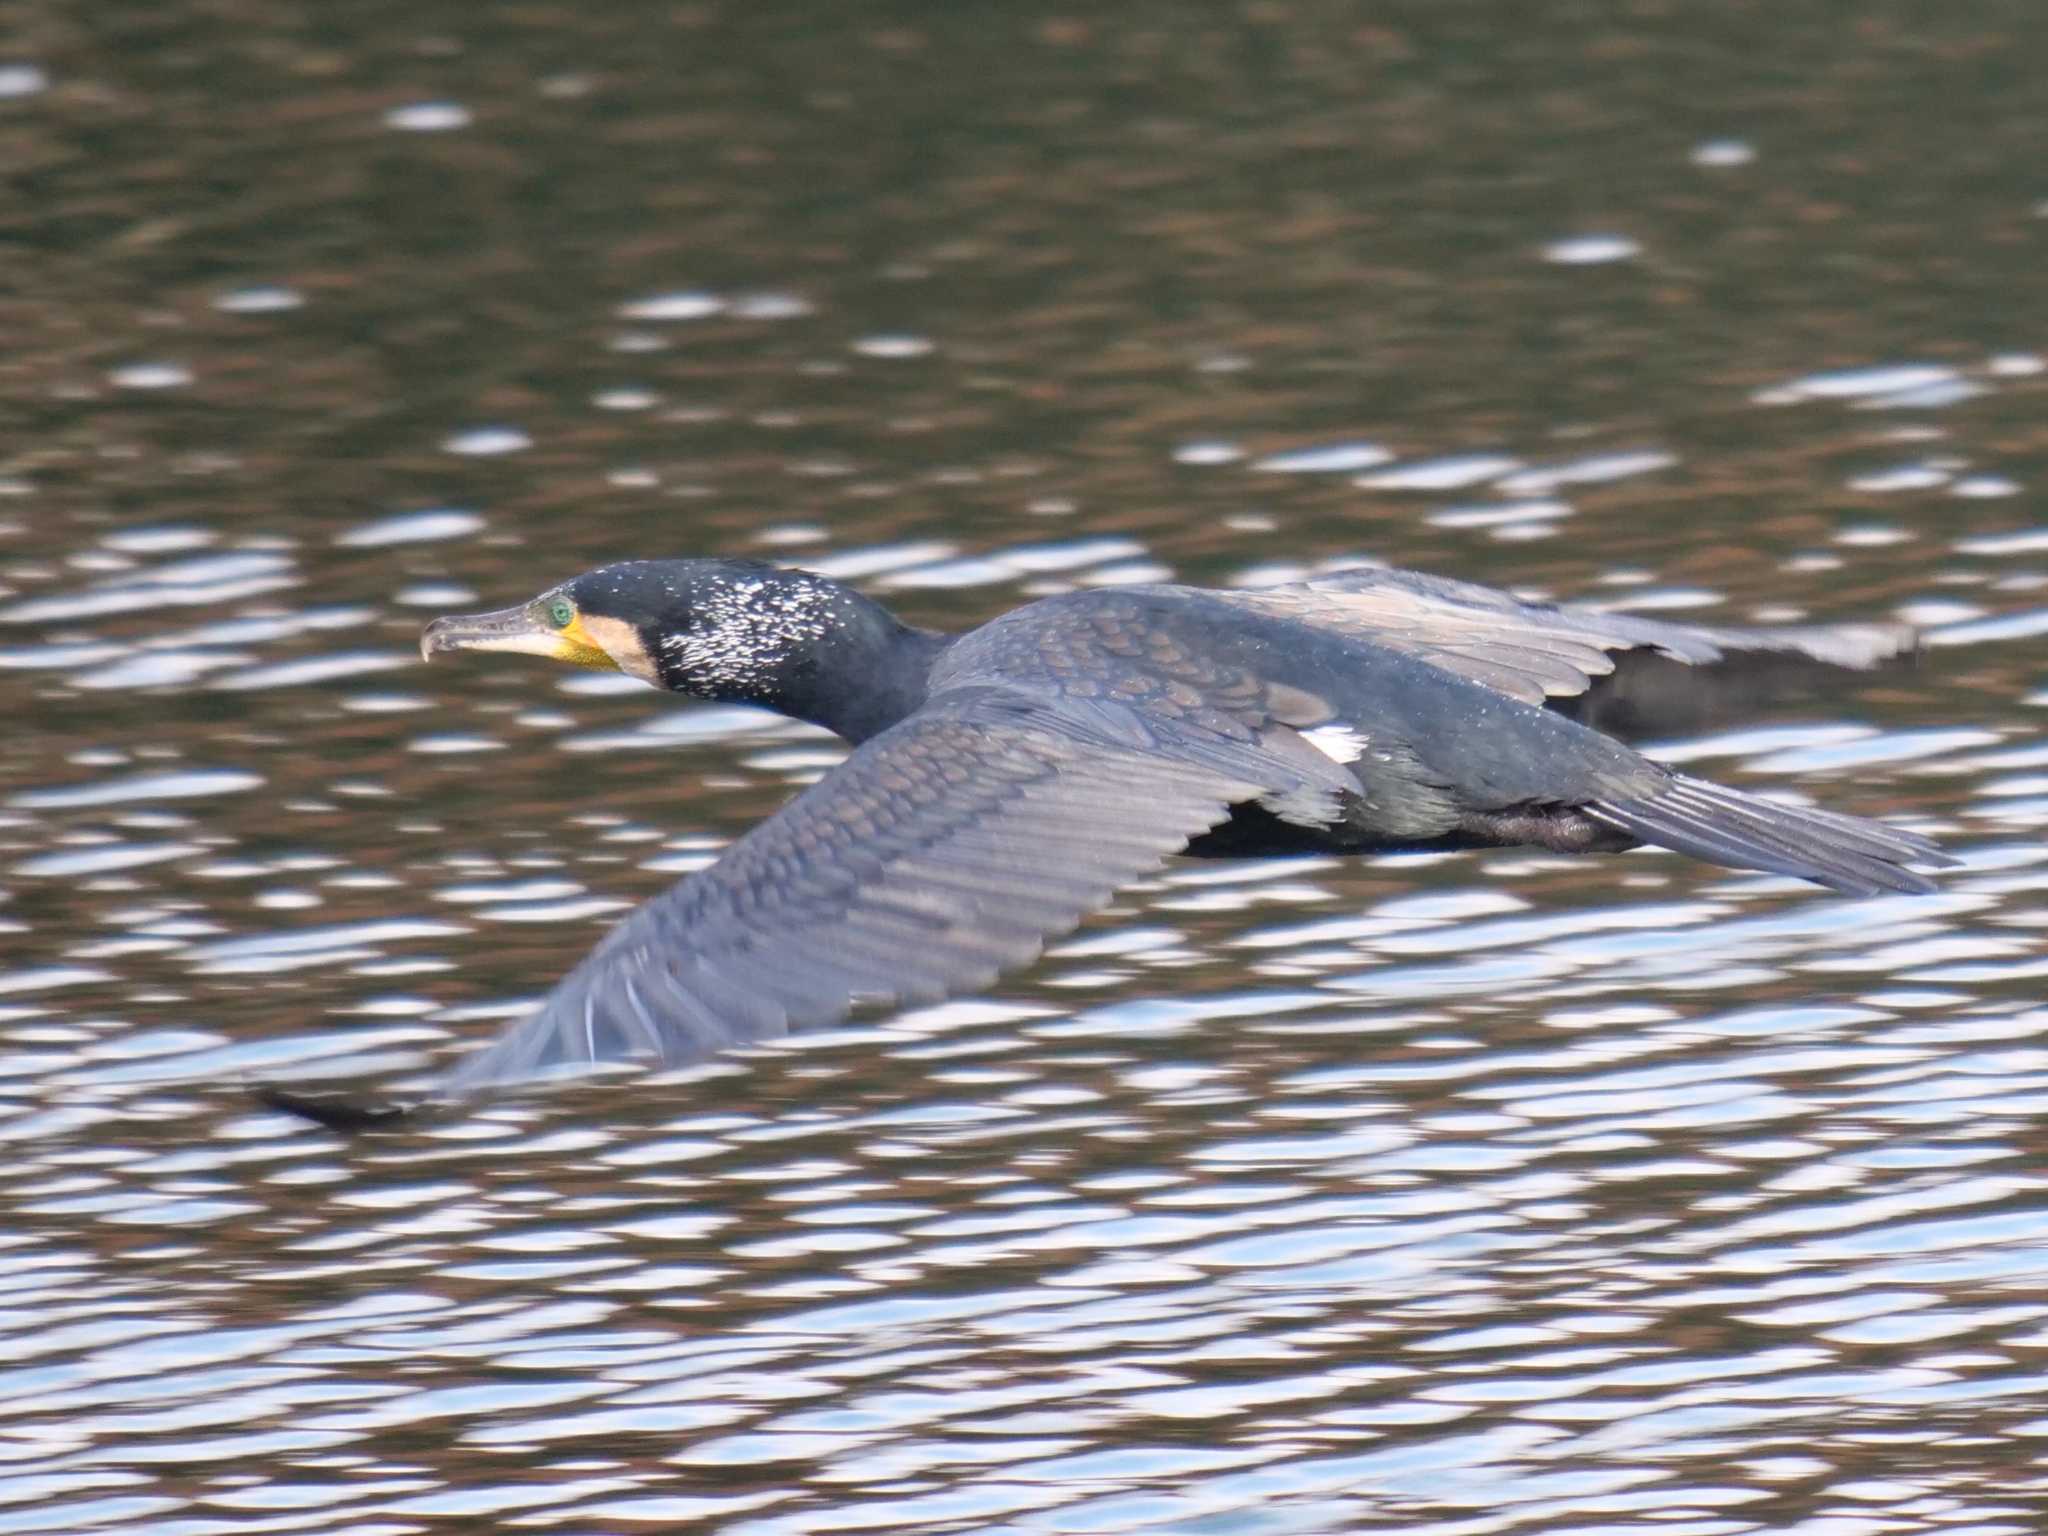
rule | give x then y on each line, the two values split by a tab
1454	1195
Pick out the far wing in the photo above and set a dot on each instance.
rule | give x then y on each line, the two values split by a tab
1536	652
943	851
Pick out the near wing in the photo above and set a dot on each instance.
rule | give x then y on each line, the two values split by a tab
943	851
1540	651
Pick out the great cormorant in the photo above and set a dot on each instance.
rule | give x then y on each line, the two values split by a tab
1005	781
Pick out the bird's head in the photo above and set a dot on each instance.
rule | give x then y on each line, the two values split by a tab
733	630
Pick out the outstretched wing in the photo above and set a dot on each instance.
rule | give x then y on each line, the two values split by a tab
945	850
1537	652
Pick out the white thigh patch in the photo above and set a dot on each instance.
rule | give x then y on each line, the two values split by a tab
1339	743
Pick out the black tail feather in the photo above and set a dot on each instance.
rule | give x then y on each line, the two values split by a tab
1745	831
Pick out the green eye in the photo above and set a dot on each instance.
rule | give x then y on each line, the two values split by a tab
561	612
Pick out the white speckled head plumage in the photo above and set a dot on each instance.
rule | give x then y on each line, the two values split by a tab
720	629
735	631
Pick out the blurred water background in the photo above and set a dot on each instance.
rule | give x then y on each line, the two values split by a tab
1454	1196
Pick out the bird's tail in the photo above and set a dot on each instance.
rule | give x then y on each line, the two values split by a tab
1728	826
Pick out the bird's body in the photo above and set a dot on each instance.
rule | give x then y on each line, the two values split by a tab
1006	780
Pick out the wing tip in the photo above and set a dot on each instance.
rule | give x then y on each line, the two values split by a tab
1860	647
338	1112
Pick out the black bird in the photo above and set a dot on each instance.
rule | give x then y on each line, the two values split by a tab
1005	781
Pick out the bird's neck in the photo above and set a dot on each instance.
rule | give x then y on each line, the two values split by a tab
814	650
874	675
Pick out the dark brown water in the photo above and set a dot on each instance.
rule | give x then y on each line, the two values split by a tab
1451	1196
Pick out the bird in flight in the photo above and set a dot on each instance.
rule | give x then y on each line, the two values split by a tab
1006	780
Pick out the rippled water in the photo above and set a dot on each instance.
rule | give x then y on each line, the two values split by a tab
1453	1195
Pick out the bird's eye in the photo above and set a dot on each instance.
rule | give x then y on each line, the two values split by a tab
561	612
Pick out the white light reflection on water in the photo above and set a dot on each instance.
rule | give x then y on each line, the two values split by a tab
1528	1230
1458	1194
